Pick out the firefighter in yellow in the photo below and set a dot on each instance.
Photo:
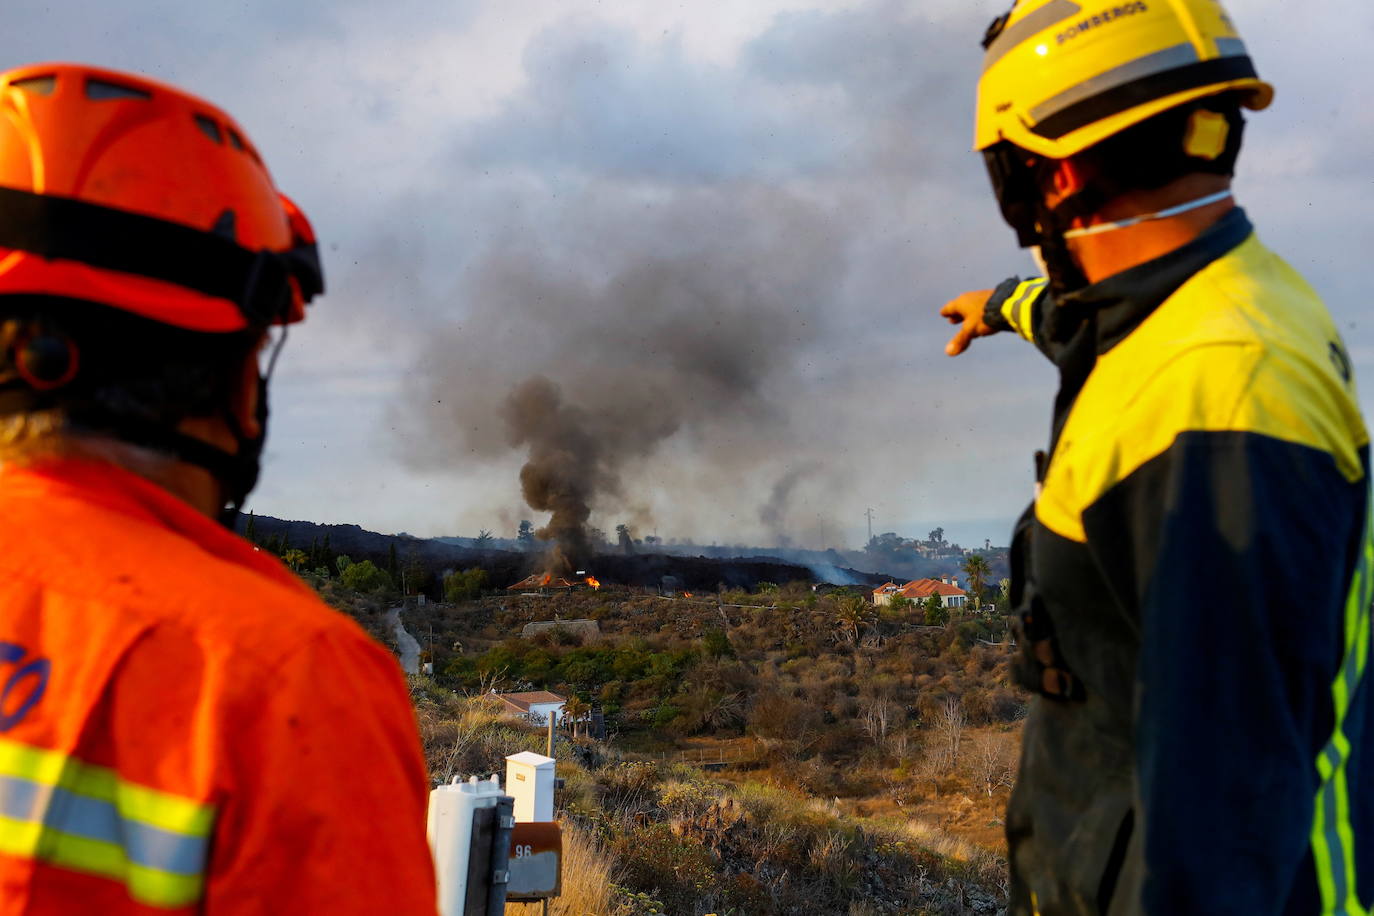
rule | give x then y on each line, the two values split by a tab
1192	582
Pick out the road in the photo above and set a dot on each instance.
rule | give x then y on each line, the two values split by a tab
410	649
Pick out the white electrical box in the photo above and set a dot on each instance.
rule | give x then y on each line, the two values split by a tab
529	780
451	810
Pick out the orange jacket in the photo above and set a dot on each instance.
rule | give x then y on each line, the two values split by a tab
183	725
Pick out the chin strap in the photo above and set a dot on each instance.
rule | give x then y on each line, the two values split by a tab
236	472
1098	228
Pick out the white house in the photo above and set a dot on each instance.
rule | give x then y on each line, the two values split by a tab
951	595
534	706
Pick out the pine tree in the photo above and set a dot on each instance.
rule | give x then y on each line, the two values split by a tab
250	531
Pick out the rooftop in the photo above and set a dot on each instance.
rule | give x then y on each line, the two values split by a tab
523	701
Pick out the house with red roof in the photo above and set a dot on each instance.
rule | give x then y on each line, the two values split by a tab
535	706
951	595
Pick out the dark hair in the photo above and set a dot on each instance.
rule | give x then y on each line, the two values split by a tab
1151	154
129	366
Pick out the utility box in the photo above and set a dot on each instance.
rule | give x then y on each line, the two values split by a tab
469	835
529	780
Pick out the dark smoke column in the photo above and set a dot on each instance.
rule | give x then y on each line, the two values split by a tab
565	467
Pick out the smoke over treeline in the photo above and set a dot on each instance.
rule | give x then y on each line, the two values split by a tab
661	325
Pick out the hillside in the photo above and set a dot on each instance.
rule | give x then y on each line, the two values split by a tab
776	747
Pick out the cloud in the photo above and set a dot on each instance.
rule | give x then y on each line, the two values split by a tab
600	102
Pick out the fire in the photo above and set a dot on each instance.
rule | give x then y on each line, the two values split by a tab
593	581
686	594
548	577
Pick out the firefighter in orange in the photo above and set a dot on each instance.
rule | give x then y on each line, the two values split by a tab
183	725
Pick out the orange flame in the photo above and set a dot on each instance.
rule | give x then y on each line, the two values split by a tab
686	594
593	582
548	577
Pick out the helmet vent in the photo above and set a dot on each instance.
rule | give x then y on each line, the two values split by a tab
235	140
224	226
38	85
208	127
105	91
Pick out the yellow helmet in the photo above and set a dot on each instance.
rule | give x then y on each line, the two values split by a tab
1062	75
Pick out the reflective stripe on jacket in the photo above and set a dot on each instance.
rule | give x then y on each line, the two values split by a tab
1198	561
183	725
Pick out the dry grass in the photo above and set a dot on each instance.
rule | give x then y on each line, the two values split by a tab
588	872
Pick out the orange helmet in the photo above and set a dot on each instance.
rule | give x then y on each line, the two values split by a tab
119	190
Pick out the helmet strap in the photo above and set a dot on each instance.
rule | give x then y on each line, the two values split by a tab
1195	204
236	471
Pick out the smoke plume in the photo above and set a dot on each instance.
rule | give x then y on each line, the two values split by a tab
676	345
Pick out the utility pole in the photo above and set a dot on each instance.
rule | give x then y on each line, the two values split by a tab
869	513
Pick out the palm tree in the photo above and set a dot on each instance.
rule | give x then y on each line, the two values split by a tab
575	709
976	570
851	617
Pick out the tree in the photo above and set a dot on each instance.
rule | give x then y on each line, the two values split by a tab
342	562
850	618
365	577
887	544
976	570
937	615
937	536
949	725
524	535
717	643
877	714
575	710
413	574
250	531
465	585
295	559
900	604
483	539
391	558
625	537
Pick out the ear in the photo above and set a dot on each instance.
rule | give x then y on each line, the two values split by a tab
1069	178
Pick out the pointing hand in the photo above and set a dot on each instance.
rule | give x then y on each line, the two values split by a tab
966	309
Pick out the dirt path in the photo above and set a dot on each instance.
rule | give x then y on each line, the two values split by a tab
410	648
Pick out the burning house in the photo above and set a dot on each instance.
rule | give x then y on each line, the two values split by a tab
549	584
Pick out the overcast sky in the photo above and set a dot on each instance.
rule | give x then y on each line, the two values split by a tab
613	194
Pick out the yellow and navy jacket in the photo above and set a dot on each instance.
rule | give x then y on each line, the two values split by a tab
1193	586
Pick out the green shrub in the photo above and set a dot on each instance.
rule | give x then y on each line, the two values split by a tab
365	577
716	643
465	585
